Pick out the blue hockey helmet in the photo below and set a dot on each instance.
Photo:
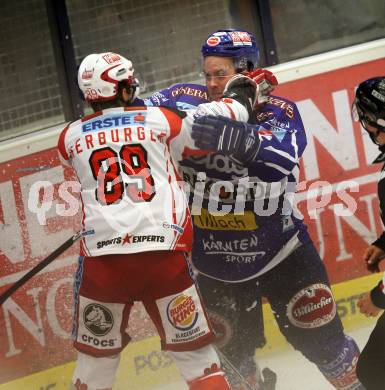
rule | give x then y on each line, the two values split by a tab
237	44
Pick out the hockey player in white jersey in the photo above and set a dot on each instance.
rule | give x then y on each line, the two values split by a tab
126	159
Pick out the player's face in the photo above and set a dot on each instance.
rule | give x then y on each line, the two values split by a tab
218	71
378	135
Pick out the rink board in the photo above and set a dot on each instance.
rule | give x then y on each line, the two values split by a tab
144	365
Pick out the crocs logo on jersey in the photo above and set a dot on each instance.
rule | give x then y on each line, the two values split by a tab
182	312
312	307
98	319
213	41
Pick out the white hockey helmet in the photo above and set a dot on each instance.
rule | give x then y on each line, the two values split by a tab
100	74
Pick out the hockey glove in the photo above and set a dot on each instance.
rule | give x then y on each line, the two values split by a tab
251	88
266	82
235	139
242	89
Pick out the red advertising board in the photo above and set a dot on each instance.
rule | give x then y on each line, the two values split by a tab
340	153
36	322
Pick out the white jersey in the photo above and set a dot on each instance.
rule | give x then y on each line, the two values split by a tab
126	160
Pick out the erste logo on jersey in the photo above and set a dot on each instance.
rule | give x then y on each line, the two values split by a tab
312	307
182	312
119	120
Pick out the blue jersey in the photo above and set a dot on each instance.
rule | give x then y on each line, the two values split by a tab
245	219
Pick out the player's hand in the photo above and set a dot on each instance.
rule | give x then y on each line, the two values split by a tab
243	89
367	307
266	82
238	140
373	256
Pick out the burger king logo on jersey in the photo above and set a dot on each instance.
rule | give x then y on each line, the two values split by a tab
312	307
182	312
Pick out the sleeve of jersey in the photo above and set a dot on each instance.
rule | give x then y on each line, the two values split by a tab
160	98
378	294
64	154
229	108
226	107
280	149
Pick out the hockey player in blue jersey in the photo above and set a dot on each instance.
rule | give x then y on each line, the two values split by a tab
258	246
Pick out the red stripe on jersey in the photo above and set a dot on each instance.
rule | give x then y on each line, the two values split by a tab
84	251
185	239
187	152
265	132
231	111
135	108
173	204
173	207
174	121
61	143
382	287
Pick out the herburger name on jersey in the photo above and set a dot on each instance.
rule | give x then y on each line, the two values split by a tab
121	135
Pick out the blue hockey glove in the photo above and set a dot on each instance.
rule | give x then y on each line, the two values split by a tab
235	139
